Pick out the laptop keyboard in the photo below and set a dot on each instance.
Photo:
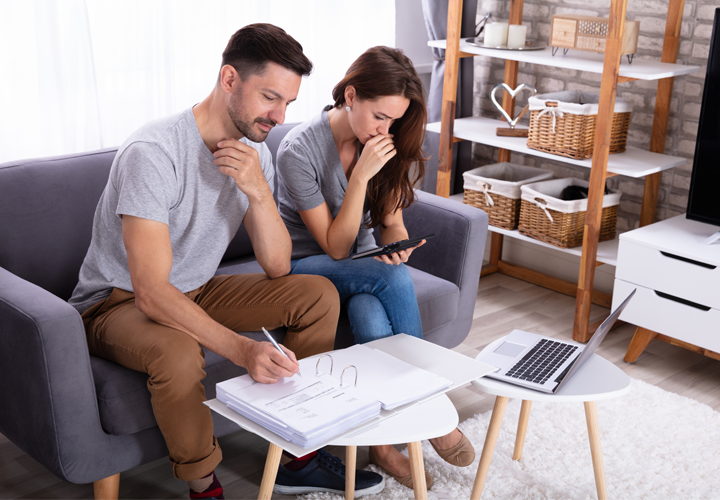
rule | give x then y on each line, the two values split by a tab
541	361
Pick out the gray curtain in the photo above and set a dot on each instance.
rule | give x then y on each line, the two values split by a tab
435	13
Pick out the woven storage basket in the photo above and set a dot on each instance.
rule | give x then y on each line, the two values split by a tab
541	202
563	123
495	189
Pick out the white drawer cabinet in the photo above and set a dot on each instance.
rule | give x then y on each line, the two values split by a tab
681	321
678	282
668	272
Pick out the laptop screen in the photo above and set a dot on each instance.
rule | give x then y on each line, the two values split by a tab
599	335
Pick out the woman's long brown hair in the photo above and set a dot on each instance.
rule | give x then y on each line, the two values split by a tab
385	71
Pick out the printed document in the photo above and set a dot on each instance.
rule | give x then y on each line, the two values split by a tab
303	410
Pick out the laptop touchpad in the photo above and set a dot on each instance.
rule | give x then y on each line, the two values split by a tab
509	349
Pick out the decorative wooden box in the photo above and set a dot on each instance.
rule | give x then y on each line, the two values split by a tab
589	33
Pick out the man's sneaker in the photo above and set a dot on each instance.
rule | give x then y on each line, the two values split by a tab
326	473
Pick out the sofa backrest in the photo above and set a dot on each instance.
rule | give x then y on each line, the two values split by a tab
46	212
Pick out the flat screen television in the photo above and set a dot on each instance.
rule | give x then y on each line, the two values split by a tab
704	197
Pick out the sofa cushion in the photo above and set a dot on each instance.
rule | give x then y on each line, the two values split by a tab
438	299
124	399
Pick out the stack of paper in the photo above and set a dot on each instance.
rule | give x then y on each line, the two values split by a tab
304	410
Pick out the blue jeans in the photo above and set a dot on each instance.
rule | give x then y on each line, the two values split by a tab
380	298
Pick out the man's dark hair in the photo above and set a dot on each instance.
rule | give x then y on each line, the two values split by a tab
253	46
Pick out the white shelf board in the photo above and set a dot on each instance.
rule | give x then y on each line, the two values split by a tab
607	252
580	60
633	162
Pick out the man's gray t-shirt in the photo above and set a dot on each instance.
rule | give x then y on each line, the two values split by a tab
310	173
165	173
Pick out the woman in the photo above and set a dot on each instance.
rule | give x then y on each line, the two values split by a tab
344	172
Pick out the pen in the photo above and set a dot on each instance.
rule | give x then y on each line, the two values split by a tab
277	346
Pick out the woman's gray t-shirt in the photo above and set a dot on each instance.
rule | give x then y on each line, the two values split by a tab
310	173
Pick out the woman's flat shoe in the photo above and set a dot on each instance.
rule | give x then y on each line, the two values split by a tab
404	480
460	455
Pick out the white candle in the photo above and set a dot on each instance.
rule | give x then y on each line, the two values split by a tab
494	34
505	33
516	36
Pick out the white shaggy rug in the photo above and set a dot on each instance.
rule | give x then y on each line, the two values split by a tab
656	445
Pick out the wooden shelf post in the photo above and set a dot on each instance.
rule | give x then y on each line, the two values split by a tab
598	172
452	64
508	104
511	76
671	46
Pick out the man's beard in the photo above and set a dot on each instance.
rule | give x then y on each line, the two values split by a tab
247	126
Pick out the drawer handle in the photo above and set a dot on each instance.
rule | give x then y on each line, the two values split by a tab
682	301
689	261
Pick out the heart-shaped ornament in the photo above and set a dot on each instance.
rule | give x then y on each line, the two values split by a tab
512	93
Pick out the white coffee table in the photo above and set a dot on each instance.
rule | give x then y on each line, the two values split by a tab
430	419
598	379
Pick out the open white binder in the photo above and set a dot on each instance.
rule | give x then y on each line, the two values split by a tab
390	380
455	369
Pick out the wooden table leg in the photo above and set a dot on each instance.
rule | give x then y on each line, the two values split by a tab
595	450
639	342
489	446
522	427
350	466
418	470
107	488
270	473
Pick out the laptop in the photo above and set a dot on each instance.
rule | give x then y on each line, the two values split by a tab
544	363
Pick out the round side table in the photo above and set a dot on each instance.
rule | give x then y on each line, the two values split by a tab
434	418
598	379
430	419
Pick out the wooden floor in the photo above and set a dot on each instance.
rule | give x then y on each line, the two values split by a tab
503	304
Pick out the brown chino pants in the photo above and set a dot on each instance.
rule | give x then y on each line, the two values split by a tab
116	330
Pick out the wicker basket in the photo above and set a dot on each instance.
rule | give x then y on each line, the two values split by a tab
544	216
563	123
495	189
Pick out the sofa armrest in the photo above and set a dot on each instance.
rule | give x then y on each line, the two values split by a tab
48	405
455	253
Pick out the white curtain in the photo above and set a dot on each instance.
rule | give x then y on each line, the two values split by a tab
78	75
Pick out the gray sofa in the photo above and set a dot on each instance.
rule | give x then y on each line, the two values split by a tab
85	418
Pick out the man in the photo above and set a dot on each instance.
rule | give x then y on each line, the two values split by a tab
178	190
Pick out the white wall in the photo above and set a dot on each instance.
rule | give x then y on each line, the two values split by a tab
411	36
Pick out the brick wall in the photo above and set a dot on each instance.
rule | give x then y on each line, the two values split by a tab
684	110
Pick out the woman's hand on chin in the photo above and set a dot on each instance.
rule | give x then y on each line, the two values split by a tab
376	153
